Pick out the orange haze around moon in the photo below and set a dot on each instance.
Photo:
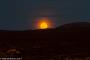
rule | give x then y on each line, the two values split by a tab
43	23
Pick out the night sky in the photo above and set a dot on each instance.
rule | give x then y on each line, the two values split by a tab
21	14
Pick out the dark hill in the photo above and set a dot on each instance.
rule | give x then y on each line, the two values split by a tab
78	26
69	39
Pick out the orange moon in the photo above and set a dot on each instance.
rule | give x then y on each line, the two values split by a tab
43	23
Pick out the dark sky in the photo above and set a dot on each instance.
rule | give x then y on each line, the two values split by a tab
21	14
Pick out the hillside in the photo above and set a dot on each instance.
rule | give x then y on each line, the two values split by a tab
69	39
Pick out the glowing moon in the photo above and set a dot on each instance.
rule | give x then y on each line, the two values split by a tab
43	23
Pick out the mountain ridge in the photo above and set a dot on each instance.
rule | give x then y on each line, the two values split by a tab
69	25
61	40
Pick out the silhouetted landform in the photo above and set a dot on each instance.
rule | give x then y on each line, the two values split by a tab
70	39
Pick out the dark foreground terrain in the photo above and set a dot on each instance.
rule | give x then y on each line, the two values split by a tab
70	41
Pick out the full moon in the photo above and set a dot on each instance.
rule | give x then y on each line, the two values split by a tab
43	23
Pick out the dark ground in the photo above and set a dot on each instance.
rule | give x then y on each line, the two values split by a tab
68	40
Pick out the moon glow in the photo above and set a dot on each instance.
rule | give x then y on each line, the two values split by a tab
43	23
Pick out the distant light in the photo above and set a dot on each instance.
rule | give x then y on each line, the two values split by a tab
43	25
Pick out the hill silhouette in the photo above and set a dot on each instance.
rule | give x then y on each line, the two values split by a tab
69	39
77	26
